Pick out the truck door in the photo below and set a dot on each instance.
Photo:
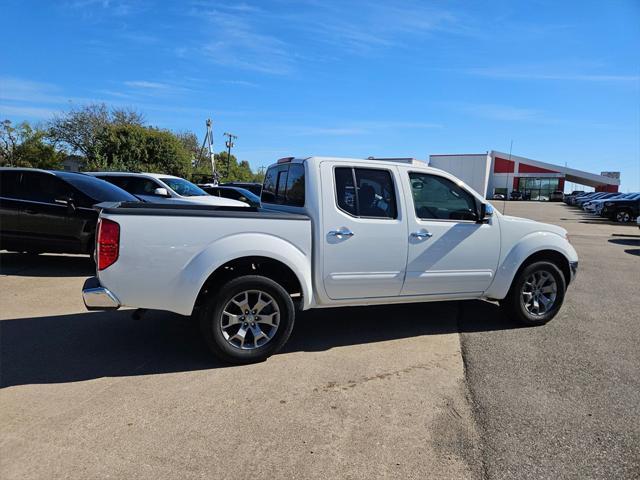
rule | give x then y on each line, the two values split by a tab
363	231
449	252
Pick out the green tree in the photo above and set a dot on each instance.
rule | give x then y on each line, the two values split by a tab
81	128
138	148
24	146
199	156
235	171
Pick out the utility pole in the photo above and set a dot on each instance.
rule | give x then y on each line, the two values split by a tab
229	143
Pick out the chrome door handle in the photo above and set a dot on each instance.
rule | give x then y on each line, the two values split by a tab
422	234
342	232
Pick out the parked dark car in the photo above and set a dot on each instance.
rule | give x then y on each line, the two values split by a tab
255	188
51	211
516	195
569	198
234	193
573	199
621	210
556	196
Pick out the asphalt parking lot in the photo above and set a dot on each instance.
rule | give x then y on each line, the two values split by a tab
443	390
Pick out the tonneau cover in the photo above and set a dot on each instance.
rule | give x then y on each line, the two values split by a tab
163	209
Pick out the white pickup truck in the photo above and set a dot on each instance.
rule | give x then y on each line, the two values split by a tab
331	232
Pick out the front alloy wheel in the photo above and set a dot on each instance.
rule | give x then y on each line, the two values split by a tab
623	216
539	292
536	294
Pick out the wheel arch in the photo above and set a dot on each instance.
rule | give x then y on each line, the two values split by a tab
536	247
235	253
268	267
548	255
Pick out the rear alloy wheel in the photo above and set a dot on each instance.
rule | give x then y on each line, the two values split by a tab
623	216
250	319
536	294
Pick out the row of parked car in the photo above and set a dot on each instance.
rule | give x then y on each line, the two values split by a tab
556	196
620	207
52	211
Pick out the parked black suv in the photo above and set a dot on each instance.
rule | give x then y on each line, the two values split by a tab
51	211
621	210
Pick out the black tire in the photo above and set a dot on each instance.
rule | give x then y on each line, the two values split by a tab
212	312
514	304
623	216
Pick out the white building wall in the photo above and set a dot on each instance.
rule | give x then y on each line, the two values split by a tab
474	170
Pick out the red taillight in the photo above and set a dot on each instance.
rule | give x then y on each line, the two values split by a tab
108	243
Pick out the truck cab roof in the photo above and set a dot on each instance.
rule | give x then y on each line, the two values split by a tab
351	160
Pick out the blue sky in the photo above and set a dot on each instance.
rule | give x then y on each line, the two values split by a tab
345	78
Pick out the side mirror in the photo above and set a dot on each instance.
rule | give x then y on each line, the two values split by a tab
161	192
486	212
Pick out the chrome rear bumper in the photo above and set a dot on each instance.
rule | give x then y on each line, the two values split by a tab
96	297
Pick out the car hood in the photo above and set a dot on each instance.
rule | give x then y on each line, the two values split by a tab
215	201
528	226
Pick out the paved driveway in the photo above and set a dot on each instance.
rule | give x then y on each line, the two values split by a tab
358	393
447	390
563	401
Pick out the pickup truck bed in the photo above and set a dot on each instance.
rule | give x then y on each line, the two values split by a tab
169	249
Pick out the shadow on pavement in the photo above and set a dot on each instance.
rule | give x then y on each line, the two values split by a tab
633	251
31	265
69	348
626	241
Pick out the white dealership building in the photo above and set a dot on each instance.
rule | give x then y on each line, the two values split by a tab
497	172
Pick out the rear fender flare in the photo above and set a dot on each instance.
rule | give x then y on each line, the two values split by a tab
233	247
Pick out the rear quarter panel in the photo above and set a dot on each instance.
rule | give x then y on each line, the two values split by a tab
164	260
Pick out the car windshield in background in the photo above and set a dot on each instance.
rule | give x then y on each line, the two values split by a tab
99	189
249	195
183	187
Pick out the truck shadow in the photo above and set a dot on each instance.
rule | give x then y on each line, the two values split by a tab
84	346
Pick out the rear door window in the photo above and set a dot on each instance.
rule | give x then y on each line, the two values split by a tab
44	187
366	192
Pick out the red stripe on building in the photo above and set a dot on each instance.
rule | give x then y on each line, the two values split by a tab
524	168
500	165
607	188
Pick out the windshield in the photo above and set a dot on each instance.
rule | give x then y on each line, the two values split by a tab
99	189
250	195
183	187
